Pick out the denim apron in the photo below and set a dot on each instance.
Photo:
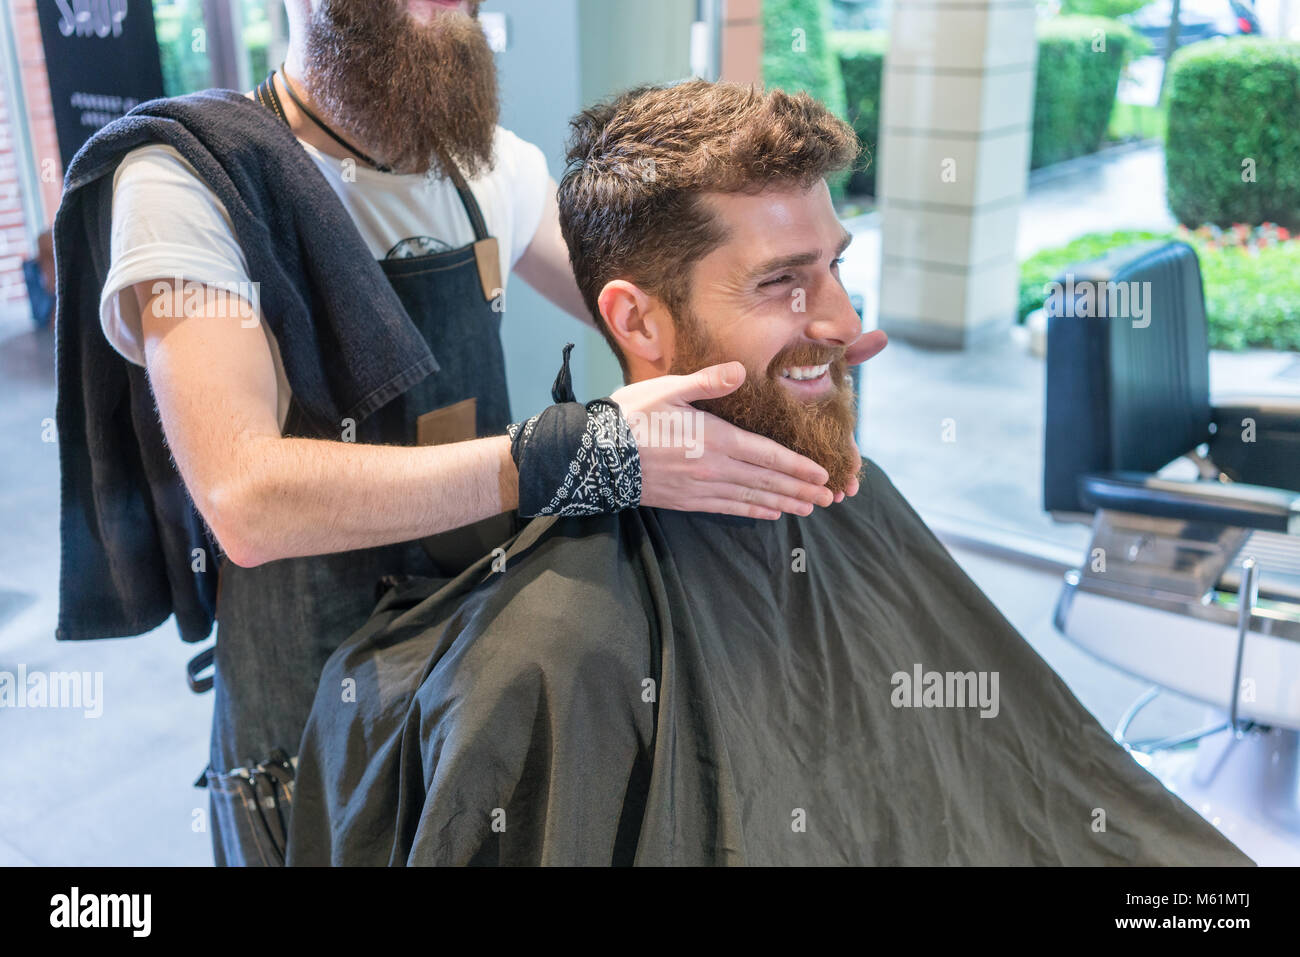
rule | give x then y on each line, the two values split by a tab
278	623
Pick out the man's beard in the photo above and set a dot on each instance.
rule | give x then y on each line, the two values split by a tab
415	96
822	430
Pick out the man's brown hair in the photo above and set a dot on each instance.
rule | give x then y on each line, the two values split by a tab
637	164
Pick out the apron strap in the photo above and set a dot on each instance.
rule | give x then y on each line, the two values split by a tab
469	202
266	95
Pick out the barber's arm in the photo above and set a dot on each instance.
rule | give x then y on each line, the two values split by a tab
268	497
545	263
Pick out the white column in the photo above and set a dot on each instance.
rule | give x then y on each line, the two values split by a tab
956	122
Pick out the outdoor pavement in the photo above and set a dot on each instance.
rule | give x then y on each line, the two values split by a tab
117	789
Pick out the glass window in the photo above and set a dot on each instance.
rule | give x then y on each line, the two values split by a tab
192	58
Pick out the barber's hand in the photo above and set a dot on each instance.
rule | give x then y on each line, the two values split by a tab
853	484
866	346
696	462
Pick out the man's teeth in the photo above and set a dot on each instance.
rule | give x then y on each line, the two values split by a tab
800	373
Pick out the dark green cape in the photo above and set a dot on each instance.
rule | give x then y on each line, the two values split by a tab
657	687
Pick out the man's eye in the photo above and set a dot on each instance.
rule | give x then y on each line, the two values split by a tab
780	280
836	263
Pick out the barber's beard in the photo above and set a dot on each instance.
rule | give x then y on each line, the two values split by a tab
822	430
413	95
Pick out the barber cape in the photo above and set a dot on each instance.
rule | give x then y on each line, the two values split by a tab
657	687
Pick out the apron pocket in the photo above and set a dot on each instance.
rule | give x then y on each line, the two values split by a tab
250	811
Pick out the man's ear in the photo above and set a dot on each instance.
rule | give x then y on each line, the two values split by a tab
639	324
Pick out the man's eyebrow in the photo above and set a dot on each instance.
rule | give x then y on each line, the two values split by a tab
798	259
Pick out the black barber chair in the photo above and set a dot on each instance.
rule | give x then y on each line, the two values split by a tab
1192	578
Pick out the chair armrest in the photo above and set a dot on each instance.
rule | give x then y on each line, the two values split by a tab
1218	503
1269	453
1273	411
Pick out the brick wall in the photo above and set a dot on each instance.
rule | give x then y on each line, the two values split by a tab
40	114
13	237
48	170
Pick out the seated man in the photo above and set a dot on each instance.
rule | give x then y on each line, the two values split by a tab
659	687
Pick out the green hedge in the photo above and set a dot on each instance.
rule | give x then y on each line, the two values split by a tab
1252	292
813	67
1103	8
862	62
1228	102
1072	105
1076	84
1047	266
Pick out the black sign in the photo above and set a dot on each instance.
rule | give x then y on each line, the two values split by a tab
102	59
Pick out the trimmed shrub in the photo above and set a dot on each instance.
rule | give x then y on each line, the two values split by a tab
1232	152
797	57
862	62
1073	101
1103	8
1079	63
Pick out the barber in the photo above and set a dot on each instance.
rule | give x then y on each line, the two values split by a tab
396	105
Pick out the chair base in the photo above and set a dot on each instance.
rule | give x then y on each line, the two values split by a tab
1187	653
1248	787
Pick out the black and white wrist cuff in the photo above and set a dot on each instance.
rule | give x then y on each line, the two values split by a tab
575	459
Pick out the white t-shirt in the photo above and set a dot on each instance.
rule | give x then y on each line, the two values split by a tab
167	223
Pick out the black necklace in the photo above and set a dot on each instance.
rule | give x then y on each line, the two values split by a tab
321	123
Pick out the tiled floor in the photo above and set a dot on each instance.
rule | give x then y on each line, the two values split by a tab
78	789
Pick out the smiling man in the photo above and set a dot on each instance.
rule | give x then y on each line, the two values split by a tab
735	256
664	687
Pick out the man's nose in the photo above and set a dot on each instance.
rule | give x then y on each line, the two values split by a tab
833	319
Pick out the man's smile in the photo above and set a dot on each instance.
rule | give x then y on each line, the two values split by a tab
807	383
804	373
802	376
424	10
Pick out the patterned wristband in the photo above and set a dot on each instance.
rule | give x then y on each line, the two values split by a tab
576	460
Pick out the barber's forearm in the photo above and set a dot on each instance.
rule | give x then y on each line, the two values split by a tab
545	264
293	497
